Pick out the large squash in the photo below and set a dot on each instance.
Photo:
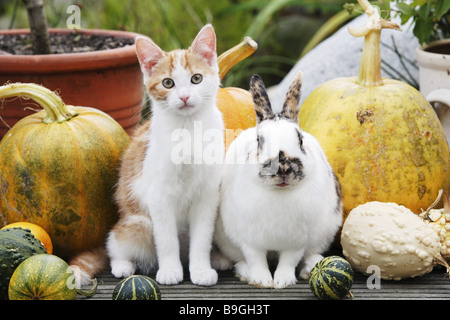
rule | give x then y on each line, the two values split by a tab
236	104
58	168
382	138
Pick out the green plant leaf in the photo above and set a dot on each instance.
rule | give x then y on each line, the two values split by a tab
442	7
422	30
425	11
416	3
385	9
405	9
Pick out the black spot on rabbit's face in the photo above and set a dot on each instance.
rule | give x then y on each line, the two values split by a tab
282	171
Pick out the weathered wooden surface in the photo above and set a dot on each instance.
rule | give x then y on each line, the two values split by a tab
435	285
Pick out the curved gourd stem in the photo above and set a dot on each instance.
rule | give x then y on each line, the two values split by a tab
56	110
91	292
234	55
370	66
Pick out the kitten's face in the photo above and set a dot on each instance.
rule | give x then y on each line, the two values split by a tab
183	82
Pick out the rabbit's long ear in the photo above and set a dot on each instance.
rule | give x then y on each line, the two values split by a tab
263	108
291	103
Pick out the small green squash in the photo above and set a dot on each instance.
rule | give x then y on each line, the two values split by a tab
16	245
331	278
45	277
137	287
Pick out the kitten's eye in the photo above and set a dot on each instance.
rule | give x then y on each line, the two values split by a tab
196	78
168	83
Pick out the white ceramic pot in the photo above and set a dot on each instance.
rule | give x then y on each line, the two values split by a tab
434	73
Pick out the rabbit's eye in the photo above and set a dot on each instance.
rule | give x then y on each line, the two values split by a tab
300	140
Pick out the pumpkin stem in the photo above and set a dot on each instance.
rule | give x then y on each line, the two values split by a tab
440	260
55	108
370	66
426	214
89	293
234	55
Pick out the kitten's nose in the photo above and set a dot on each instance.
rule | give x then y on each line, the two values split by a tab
184	99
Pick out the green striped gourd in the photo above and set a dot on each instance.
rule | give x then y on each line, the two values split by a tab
16	245
331	278
137	287
45	277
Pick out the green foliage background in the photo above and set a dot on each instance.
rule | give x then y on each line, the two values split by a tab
281	28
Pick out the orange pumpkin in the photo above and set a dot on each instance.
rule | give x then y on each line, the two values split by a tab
38	232
58	168
236	104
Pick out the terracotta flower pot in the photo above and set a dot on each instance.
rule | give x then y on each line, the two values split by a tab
109	80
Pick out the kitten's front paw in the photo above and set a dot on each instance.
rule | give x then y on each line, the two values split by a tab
122	268
204	277
169	276
283	279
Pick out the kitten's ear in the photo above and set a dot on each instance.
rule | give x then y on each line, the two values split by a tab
261	100
205	44
148	54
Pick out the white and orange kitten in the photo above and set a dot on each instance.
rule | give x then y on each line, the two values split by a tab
168	188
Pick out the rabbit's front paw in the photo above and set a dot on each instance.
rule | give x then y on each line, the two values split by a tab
284	278
261	279
220	262
308	264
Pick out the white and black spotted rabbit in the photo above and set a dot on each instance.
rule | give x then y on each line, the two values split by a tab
278	194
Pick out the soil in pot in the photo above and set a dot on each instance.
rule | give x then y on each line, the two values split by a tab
443	48
20	44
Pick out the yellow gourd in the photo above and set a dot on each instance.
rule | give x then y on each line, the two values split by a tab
236	104
381	136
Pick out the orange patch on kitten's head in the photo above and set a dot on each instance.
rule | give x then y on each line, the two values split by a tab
186	59
157	65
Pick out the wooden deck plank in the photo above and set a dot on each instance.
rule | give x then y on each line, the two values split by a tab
433	286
